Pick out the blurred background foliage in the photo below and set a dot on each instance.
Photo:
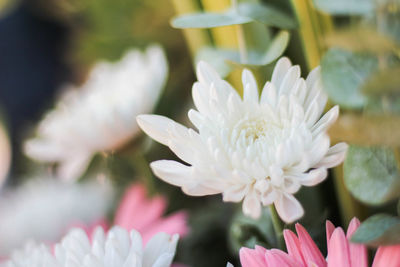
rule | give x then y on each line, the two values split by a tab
357	43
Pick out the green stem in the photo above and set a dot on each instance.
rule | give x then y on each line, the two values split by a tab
278	226
146	176
241	39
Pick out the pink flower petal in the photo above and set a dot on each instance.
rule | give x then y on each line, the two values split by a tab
293	246
358	252
330	227
278	258
353	225
260	249
136	211
387	256
338	254
173	224
309	249
252	258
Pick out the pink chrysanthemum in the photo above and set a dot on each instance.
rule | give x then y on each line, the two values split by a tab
138	211
303	252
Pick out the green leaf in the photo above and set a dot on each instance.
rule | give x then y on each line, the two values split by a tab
345	7
343	74
267	14
248	232
245	13
218	59
371	174
378	230
273	52
209	20
276	48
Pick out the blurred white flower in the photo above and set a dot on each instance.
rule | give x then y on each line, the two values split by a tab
260	149
43	209
5	154
117	248
100	116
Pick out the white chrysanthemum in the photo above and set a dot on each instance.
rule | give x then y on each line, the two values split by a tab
100	116
118	248
5	154
43	209
256	149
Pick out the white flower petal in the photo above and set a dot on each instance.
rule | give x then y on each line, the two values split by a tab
156	127
319	149
288	208
280	70
157	246
72	168
326	121
311	178
289	80
336	154
235	193
172	172
206	74
118	250
251	206
37	200
269	94
250	88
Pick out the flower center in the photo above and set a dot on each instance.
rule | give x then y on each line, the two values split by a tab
253	130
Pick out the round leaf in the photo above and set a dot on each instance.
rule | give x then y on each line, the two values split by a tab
276	48
217	58
345	7
267	15
343	74
274	51
209	20
378	230
371	174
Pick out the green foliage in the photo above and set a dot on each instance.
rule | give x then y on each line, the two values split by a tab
344	73
247	232
209	20
244	13
378	230
224	60
398	207
207	241
274	51
218	59
346	7
371	174
267	14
